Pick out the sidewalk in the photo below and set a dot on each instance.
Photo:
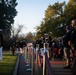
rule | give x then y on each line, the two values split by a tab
22	68
57	67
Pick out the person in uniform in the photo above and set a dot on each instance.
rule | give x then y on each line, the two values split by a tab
72	43
66	39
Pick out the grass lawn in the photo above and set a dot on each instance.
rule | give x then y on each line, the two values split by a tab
7	64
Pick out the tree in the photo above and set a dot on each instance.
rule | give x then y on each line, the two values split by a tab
29	37
8	41
70	11
7	14
15	32
53	21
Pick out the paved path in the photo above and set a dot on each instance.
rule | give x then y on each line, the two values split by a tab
57	68
22	69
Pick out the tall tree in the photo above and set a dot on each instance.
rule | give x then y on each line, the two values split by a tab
70	11
56	17
7	14
53	20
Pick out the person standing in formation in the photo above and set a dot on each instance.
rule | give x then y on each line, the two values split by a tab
66	39
72	43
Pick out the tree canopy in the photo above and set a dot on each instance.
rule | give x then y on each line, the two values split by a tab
7	14
57	16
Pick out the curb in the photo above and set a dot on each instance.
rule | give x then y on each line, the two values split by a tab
16	67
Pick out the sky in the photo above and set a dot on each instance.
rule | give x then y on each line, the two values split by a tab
31	13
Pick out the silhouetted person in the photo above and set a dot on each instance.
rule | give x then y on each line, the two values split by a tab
73	43
13	49
66	39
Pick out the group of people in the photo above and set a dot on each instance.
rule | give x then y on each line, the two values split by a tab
58	48
18	47
64	46
69	41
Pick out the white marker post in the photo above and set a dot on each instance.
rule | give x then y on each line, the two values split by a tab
1	45
44	59
0	53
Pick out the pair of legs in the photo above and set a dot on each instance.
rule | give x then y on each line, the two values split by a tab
74	63
67	59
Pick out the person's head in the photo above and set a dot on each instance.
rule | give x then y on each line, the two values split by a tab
73	23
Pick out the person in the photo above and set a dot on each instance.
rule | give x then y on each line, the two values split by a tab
66	49
20	47
59	52
17	47
50	45
72	43
13	49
